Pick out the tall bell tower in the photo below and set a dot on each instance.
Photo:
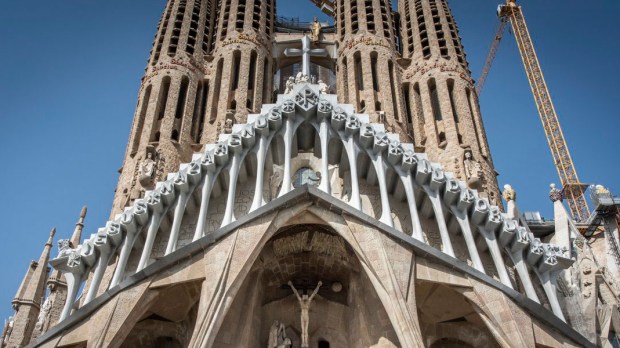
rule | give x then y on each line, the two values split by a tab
209	67
441	103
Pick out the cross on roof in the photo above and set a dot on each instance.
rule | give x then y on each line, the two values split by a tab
305	52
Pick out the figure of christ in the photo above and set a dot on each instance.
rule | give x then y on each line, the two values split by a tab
304	303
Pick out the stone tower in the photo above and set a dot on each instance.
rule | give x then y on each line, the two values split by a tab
28	300
210	66
441	104
368	73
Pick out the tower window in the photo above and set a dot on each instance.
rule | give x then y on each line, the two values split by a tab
432	87
235	70
373	67
323	344
182	98
140	123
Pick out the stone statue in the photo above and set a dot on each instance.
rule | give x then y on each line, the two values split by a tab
304	303
277	336
301	77
323	88
43	314
473	170
315	30
289	85
64	248
509	193
8	329
228	125
147	170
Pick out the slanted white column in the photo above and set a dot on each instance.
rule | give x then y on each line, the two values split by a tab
460	201
488	219
405	162
288	109
208	162
236	145
158	202
261	127
132	222
375	145
516	240
347	127
105	243
548	261
74	264
185	183
432	181
324	111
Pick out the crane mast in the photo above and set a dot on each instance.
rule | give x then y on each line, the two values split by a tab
573	189
492	53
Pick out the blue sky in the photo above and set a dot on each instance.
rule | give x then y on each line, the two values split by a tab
71	71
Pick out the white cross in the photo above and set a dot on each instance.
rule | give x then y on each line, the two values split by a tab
305	52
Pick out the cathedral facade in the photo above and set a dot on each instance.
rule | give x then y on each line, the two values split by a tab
293	184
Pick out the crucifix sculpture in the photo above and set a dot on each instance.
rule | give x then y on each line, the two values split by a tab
305	52
304	303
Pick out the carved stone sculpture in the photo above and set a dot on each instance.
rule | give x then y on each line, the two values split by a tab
315	30
304	303
555	194
147	170
289	85
473	170
277	336
323	88
228	125
509	193
43	314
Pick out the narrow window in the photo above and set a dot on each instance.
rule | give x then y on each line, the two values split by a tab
199	110
406	90
252	76
182	98
345	79
216	91
432	87
474	120
323	344
373	67
359	78
235	70
454	110
266	74
140	122
163	97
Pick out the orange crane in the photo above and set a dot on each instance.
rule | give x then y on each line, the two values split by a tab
573	189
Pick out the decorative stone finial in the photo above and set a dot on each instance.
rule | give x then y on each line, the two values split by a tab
509	193
83	212
555	194
51	238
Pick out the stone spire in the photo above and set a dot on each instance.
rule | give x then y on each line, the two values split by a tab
441	103
76	237
27	301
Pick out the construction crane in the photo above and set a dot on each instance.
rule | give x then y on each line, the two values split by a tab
573	189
